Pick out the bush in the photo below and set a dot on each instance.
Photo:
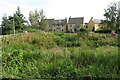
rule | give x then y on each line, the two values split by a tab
60	41
58	33
83	29
70	38
103	30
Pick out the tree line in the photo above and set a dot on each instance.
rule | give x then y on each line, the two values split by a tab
18	22
37	20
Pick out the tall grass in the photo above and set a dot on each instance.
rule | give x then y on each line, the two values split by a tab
48	55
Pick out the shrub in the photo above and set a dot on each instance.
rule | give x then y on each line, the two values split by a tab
83	29
70	38
103	30
58	33
60	41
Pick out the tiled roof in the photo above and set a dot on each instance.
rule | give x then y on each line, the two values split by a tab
78	20
50	21
60	21
97	21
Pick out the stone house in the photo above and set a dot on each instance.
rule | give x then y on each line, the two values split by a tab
50	24
56	25
74	24
94	24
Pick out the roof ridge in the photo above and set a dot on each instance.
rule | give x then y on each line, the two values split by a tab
77	17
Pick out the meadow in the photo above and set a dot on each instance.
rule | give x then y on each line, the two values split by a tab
60	55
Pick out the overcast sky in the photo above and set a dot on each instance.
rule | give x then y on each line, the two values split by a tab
58	9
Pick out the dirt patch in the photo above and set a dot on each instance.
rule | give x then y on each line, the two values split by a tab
56	49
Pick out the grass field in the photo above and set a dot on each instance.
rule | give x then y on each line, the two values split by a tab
60	55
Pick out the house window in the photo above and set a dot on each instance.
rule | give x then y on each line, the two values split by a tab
58	24
70	30
71	25
58	29
62	25
81	25
62	30
54	29
54	24
75	30
74	25
59	20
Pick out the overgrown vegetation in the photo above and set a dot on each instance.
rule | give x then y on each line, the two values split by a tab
60	55
38	54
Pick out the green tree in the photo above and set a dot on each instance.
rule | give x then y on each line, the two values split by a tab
7	25
118	20
19	20
33	19
111	14
37	19
16	21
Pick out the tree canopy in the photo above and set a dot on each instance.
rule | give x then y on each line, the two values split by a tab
15	22
112	16
37	19
7	25
19	20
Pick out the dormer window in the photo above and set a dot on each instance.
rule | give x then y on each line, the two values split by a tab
59	20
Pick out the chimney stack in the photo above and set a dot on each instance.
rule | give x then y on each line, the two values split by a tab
91	17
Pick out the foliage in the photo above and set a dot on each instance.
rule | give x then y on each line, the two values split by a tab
59	55
112	15
7	25
83	29
15	22
19	20
37	19
103	30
